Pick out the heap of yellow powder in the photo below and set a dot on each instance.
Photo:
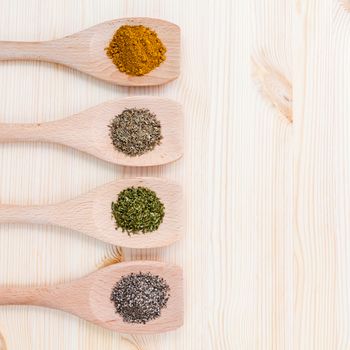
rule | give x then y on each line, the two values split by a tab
136	50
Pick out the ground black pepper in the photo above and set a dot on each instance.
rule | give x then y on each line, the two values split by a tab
139	298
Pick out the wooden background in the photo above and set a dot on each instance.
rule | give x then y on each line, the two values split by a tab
265	251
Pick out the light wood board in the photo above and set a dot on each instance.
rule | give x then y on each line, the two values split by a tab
265	247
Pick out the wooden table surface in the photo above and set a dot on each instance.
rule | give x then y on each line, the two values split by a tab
266	246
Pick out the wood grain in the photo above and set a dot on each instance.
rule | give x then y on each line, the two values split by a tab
346	4
2	342
271	165
266	246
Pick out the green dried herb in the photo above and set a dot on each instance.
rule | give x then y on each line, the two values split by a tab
135	131
138	210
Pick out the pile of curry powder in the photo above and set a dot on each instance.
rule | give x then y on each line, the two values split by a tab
136	50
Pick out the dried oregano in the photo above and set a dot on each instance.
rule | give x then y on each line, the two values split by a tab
136	50
138	210
139	298
135	131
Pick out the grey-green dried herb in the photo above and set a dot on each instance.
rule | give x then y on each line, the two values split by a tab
139	298
138	210
135	131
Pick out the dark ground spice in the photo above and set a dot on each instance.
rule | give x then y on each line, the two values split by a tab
135	131
139	298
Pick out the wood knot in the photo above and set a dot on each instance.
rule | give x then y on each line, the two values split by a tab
274	86
345	4
114	256
130	342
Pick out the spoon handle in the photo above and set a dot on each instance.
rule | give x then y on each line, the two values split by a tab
76	214
16	50
63	51
25	296
68	131
35	214
25	132
70	297
64	297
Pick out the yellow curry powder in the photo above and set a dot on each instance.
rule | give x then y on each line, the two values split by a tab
136	50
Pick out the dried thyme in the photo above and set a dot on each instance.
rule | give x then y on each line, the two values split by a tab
136	50
139	298
138	210
135	131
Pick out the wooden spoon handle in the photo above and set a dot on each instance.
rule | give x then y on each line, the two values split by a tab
70	297
24	132
35	214
75	214
54	297
14	50
23	296
57	51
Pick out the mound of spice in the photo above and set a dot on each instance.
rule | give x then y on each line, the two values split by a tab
135	131
136	50
139	298
138	210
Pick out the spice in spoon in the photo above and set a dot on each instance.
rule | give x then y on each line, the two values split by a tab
136	50
139	298
135	131
138	210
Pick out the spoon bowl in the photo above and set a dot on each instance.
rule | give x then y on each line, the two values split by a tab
88	131
91	214
89	297
85	51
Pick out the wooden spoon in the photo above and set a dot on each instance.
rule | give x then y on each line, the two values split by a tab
91	214
89	297
85	51
88	131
